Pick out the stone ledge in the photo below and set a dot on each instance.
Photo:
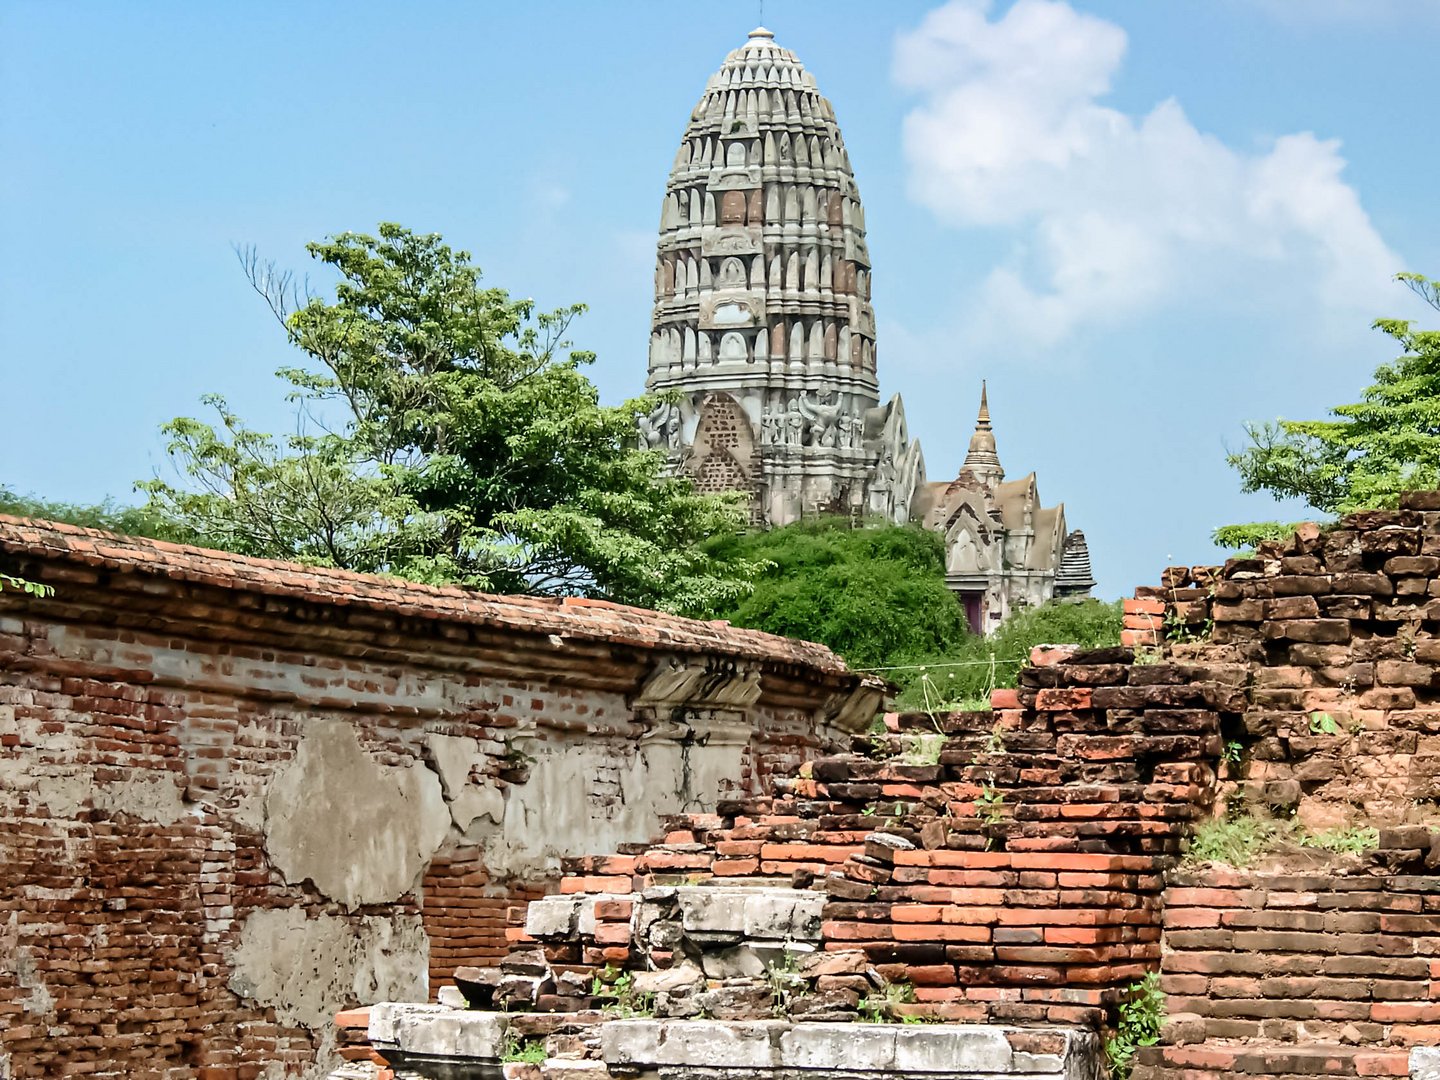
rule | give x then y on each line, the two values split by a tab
425	1042
948	1050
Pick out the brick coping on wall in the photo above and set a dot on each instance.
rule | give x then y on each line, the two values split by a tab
28	545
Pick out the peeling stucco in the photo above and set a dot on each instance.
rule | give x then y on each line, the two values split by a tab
456	760
583	796
306	966
362	831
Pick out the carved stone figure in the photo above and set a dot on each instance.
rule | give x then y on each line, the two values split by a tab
772	426
822	417
652	427
794	424
661	427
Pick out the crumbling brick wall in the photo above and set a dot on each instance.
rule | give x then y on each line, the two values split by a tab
1337	629
236	795
1006	864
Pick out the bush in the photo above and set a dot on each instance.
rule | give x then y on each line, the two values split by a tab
963	676
876	594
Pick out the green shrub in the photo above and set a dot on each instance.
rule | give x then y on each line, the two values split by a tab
874	594
964	675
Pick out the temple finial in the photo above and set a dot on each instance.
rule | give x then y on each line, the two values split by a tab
983	462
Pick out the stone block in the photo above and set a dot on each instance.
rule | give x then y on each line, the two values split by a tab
442	1032
575	1070
821	1047
387	1016
553	916
952	1049
716	1044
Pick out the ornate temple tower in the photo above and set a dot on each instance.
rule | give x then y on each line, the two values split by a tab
762	325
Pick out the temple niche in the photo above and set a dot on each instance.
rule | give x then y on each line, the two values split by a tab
763	337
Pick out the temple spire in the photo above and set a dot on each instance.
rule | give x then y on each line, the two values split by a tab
982	462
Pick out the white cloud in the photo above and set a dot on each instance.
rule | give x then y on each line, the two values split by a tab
1114	215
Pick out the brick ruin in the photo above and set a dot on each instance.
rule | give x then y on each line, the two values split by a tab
236	796
963	895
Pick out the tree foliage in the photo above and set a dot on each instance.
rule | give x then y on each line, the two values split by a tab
1253	534
107	515
470	446
876	595
1373	450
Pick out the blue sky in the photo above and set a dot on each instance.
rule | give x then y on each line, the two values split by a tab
1143	223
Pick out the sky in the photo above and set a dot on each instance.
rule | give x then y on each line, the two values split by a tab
1144	223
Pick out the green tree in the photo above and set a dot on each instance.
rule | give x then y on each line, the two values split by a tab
107	515
469	446
875	595
1372	451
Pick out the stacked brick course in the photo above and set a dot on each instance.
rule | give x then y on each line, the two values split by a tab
1338	629
1329	971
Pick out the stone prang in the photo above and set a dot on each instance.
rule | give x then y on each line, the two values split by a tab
762	320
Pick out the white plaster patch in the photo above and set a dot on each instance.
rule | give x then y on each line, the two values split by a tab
154	798
363	832
455	758
308	967
585	797
21	963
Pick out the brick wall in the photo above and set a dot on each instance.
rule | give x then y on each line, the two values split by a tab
1329	971
1337	631
237	795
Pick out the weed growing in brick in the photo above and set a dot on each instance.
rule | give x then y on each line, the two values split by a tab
1322	723
529	1051
1141	1016
924	749
1236	840
1241	838
784	979
879	1006
1352	841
